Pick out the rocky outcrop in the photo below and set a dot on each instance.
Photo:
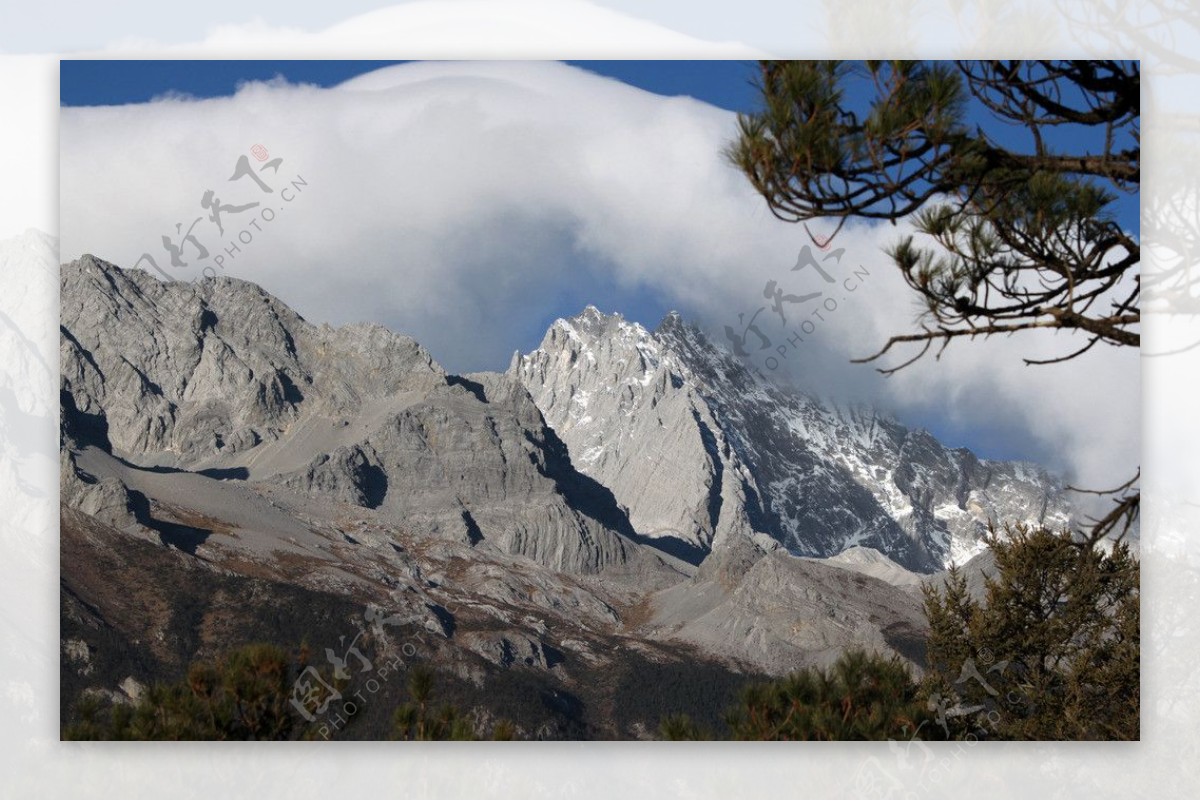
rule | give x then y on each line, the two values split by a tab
871	562
785	613
191	375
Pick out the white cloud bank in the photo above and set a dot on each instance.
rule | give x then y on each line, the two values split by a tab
465	203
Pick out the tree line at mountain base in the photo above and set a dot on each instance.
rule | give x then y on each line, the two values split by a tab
1050	652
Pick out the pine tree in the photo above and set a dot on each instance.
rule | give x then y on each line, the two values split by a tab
1050	653
420	719
1009	171
682	727
861	697
244	696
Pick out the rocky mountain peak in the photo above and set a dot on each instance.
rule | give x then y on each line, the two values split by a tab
673	326
634	407
593	327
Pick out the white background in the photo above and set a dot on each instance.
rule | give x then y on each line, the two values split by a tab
34	763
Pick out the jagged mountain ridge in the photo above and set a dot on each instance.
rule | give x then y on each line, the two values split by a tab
224	378
211	420
695	445
694	448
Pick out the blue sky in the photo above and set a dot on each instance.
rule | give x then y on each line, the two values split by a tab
726	84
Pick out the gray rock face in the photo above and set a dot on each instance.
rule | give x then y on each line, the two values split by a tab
191	375
871	562
105	499
695	445
221	377
785	613
634	421
507	648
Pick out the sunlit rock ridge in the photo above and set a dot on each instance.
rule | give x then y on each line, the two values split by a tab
694	445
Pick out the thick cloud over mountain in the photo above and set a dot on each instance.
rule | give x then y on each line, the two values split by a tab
468	205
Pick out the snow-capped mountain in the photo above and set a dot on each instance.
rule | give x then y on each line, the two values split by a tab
696	446
617	499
